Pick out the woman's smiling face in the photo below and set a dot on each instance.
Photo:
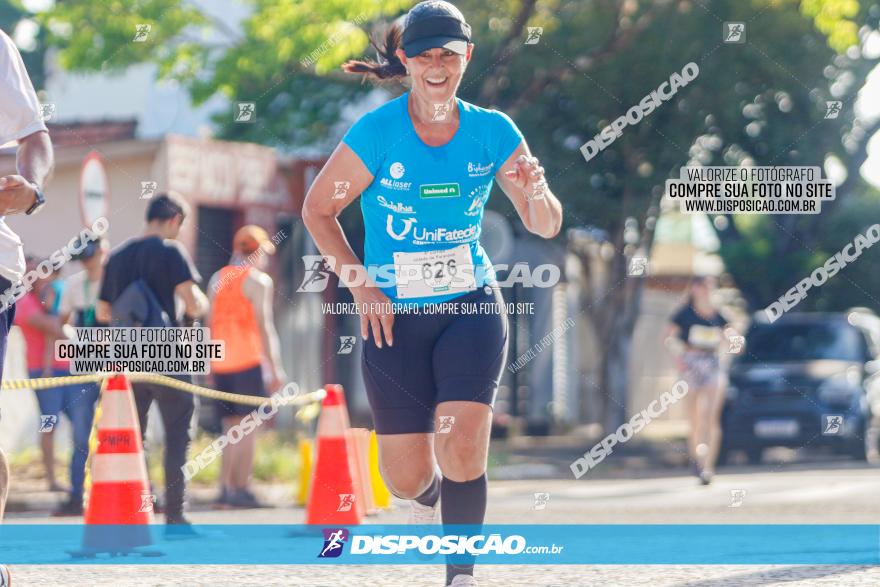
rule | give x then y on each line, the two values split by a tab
436	73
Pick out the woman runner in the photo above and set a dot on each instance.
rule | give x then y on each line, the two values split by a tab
423	165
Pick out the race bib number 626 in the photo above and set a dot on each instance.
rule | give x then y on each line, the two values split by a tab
432	273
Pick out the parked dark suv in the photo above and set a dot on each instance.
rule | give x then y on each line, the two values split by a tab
806	380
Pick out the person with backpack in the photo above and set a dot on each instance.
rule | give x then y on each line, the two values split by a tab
141	280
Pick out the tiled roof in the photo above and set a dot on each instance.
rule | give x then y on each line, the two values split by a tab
91	133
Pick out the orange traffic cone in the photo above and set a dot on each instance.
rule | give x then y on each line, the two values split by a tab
120	492
333	498
360	439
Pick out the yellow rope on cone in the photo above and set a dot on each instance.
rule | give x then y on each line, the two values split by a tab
47	382
304	400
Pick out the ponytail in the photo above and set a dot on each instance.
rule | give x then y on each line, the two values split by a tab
389	67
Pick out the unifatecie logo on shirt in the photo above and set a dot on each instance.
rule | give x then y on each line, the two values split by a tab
423	236
398	236
439	190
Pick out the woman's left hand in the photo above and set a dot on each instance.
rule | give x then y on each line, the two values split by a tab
528	175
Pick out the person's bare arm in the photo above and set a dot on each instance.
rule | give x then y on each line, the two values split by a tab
258	290
320	212
194	300
103	312
522	180
34	161
48	325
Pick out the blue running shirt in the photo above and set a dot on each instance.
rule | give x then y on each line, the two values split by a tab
423	210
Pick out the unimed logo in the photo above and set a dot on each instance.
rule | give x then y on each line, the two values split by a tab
334	539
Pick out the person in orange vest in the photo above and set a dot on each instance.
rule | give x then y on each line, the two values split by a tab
241	316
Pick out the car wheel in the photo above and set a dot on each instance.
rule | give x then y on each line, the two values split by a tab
865	446
755	455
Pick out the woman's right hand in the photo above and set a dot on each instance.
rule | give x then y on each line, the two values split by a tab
374	308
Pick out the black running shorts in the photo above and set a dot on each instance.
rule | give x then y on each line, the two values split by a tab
454	355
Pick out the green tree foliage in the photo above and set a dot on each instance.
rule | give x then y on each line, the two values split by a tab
11	15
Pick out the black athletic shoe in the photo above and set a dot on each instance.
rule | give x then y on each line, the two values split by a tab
243	499
179	528
705	477
70	508
222	501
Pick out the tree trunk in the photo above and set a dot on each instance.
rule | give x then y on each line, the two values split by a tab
614	310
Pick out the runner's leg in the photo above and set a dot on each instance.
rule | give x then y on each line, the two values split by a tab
244	460
715	396
462	454
228	457
406	462
176	408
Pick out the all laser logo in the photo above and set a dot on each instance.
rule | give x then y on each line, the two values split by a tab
334	540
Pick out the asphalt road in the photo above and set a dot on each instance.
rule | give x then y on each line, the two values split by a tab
808	493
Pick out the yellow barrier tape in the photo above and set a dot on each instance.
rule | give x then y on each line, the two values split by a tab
47	382
251	400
